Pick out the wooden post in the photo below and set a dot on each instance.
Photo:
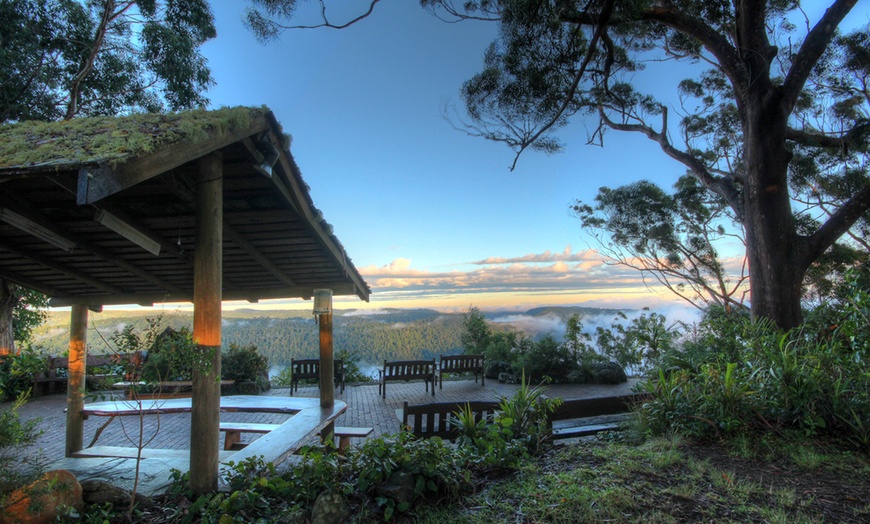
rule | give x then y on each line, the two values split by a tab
323	310
207	282
75	386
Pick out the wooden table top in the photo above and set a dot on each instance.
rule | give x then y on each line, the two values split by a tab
241	403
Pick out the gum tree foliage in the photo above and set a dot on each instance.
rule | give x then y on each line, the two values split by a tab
60	59
64	58
775	123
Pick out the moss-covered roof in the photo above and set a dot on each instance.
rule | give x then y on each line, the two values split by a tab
112	140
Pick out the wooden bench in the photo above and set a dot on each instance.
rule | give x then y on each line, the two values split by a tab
434	420
57	370
345	433
461	364
309	368
406	370
578	413
233	432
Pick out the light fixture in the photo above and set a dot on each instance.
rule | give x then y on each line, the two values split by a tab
270	155
127	231
322	301
38	230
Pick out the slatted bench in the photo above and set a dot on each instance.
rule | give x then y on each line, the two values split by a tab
434	420
461	364
309	368
406	370
577	414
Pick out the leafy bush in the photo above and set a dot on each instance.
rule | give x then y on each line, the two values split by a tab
16	436
17	371
172	356
244	364
813	379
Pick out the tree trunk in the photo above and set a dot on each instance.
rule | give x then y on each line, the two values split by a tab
773	246
8	299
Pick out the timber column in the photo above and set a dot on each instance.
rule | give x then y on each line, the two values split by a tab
75	386
207	282
323	310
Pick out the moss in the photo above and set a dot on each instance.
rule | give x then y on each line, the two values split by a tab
112	139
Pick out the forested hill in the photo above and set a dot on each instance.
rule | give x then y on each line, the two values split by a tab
390	334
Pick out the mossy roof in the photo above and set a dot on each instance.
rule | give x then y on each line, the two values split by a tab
111	140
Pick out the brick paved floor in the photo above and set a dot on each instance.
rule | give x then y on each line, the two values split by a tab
365	408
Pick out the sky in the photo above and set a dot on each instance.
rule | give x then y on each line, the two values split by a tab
431	217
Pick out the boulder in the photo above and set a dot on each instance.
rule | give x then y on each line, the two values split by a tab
400	488
608	373
52	495
330	508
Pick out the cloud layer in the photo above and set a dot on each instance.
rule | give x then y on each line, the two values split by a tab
531	279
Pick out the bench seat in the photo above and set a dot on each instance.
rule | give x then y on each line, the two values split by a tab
234	430
345	433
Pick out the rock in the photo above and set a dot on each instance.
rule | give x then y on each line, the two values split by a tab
98	492
330	508
608	373
400	488
53	495
495	368
508	378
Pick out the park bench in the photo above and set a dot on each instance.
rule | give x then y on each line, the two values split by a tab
435	420
461	364
309	368
406	370
574	417
57	370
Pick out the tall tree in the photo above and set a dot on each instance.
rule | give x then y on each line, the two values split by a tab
65	58
777	94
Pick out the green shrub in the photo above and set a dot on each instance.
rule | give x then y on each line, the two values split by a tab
19	468
17	371
735	375
245	364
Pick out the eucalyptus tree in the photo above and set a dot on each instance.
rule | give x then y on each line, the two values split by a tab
67	58
775	123
61	59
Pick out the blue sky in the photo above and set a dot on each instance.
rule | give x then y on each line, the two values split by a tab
430	216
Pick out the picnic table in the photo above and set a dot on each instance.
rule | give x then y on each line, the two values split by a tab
118	465
162	389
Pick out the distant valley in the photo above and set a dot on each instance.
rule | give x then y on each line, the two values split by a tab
388	334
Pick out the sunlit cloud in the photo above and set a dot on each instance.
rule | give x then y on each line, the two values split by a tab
537	277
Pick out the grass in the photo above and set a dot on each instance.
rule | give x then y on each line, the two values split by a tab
667	480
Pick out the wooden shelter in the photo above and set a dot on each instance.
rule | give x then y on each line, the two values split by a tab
201	206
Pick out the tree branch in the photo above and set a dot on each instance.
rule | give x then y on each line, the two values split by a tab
600	28
718	185
811	50
327	23
840	221
826	141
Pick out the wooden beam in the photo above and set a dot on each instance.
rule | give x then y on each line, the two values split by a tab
251	295
287	180
83	245
96	184
264	261
62	268
14	276
205	404
75	388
